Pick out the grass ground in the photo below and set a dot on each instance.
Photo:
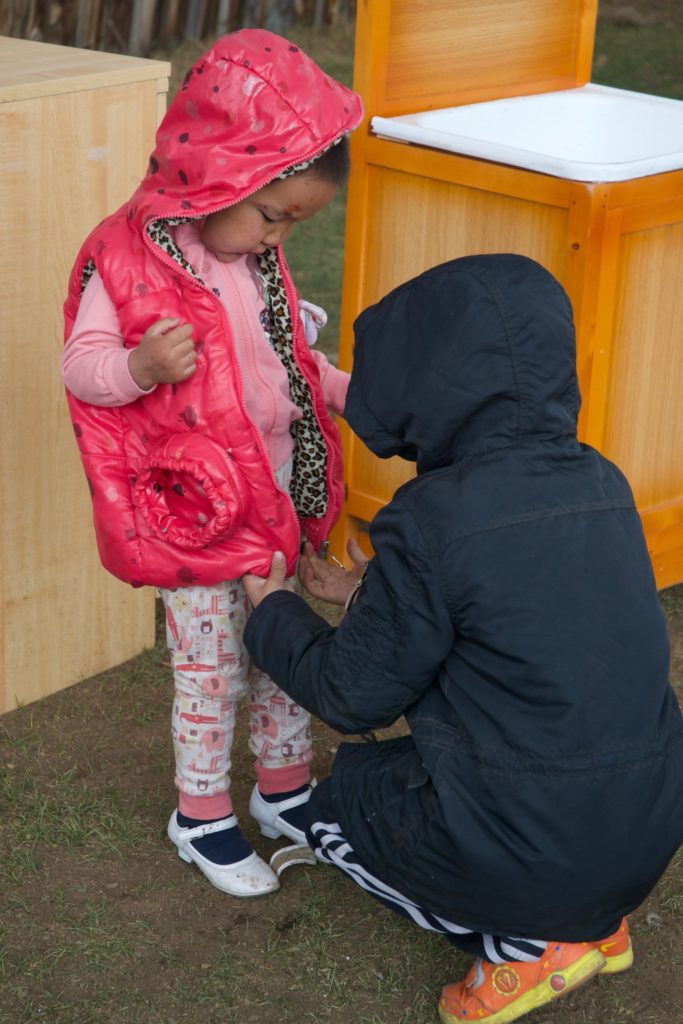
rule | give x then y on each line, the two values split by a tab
100	922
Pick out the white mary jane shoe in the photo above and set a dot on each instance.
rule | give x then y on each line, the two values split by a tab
269	816
248	877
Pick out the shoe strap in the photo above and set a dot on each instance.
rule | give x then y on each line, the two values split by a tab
294	801
187	835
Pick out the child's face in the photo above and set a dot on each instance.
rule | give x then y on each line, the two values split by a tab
265	218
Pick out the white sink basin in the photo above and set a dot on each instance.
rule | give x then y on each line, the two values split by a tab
593	133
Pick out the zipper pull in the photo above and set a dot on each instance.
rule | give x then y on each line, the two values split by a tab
328	556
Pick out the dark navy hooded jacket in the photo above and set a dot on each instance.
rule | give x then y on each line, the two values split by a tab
510	614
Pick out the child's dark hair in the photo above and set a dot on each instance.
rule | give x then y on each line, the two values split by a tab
334	165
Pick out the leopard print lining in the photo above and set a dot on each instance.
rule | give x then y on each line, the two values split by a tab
296	168
158	231
309	472
87	273
308	487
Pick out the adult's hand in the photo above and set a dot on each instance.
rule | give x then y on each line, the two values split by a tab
257	587
331	582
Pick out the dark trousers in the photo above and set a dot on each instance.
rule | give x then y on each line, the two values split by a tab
326	839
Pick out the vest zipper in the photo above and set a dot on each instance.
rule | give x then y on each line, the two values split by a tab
157	252
331	461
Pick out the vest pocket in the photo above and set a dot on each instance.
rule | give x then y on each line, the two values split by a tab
190	491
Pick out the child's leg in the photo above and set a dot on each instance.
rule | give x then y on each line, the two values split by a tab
204	627
281	740
210	669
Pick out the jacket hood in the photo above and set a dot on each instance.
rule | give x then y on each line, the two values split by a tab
251	107
475	354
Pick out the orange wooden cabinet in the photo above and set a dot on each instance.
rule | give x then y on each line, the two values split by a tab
75	130
617	247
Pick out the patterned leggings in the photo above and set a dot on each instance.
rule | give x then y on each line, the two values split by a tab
212	672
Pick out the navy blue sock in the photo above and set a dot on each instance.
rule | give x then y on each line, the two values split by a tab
295	816
226	847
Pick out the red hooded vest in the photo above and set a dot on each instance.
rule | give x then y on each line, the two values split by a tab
181	485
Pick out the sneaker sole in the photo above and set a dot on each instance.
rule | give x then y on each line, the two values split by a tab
620	962
577	974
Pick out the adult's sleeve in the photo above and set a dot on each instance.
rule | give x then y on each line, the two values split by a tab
388	648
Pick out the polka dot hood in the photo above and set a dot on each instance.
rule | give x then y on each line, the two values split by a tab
249	109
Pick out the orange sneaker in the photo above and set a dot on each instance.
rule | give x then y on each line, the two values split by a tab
499	993
617	950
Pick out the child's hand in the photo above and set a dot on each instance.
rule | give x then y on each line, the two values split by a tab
257	587
165	355
330	582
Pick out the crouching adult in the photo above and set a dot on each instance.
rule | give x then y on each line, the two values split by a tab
510	614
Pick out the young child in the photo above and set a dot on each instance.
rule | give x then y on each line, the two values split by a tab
202	415
510	613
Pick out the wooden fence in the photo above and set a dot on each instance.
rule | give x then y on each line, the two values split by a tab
139	26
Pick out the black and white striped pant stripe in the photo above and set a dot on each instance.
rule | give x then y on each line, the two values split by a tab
331	847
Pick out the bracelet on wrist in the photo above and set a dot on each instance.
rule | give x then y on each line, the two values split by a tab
353	596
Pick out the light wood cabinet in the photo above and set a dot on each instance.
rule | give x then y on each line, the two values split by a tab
76	127
616	246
